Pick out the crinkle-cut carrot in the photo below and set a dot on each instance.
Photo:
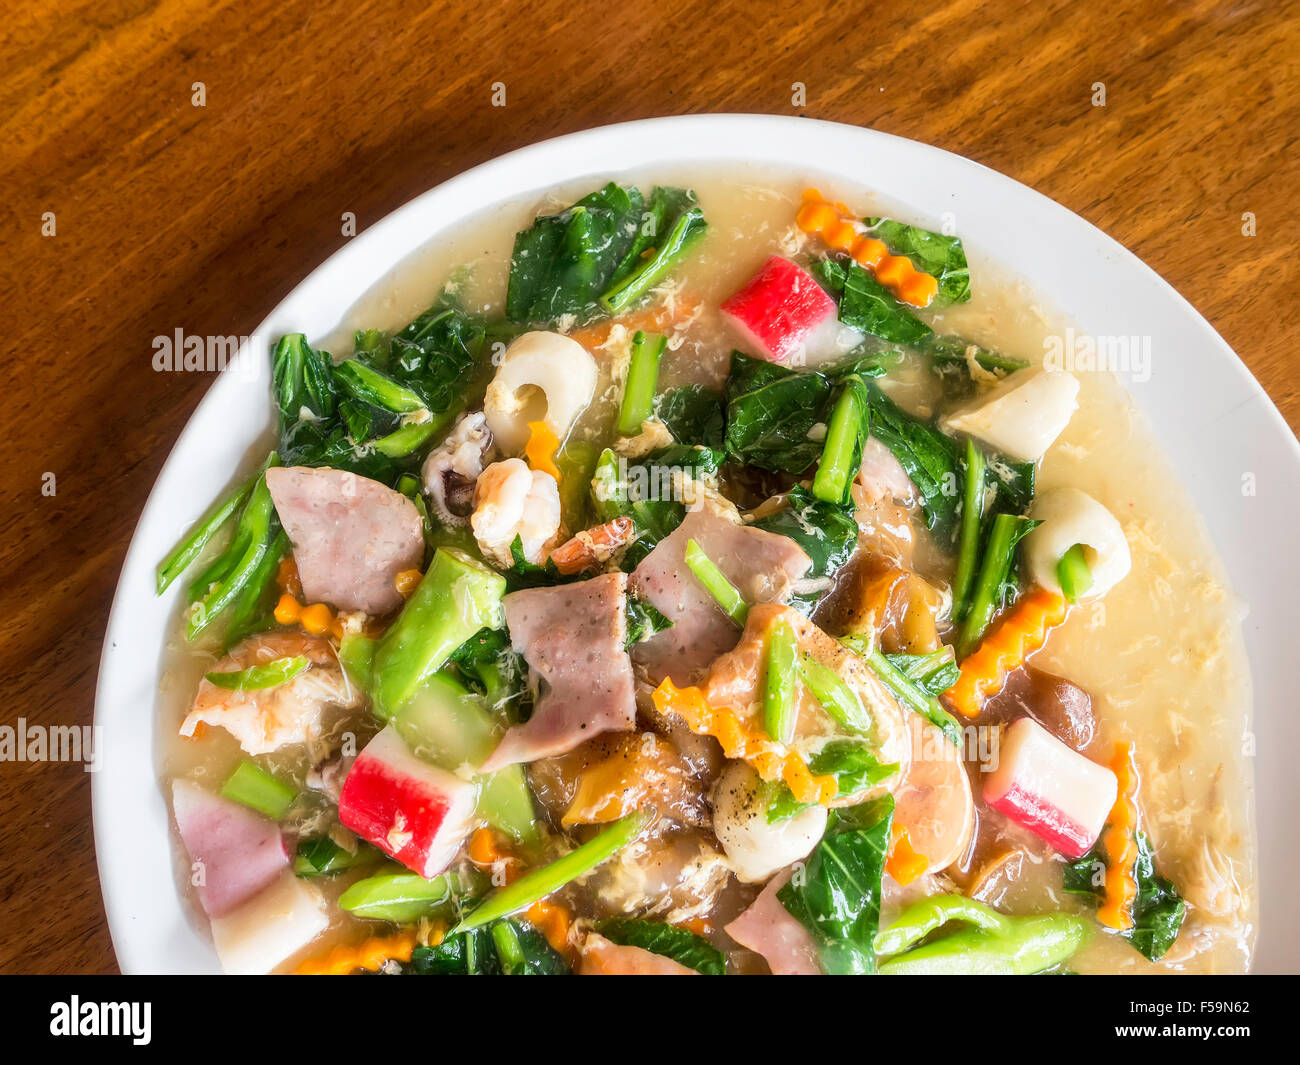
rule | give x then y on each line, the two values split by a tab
657	319
1024	630
541	448
837	228
315	619
1120	843
741	740
593	546
368	956
903	863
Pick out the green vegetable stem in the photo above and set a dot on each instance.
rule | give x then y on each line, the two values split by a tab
537	884
994	945
457	597
642	379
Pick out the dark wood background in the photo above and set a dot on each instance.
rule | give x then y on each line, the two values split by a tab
170	215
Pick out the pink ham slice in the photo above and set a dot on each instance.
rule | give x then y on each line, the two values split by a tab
767	928
600	957
782	312
411	810
572	637
237	850
762	565
351	536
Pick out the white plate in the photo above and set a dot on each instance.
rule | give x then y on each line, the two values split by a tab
1215	422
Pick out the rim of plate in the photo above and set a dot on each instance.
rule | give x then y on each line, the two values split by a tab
1102	288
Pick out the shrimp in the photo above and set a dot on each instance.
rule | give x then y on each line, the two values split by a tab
511	501
591	547
453	467
265	719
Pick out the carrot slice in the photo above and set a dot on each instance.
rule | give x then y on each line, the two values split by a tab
1024	630
1120	842
369	955
740	740
903	863
657	319
541	448
834	224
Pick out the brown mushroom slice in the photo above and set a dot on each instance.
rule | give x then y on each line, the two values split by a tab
934	803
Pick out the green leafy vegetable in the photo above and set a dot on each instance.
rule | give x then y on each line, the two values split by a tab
852	763
1158	909
930	458
198	538
564	262
915	695
836	697
866	305
942	257
253	609
647	492
321	856
643	620
686	229
489	664
670	941
972	522
301	379
932	673
694	415
771	411
457	597
471	953
827	532
506	948
837	894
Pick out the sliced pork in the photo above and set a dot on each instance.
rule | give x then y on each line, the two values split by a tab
351	536
235	851
768	929
572	637
762	565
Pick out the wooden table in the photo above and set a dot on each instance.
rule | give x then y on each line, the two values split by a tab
169	215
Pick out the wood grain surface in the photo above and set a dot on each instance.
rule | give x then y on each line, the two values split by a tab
168	215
